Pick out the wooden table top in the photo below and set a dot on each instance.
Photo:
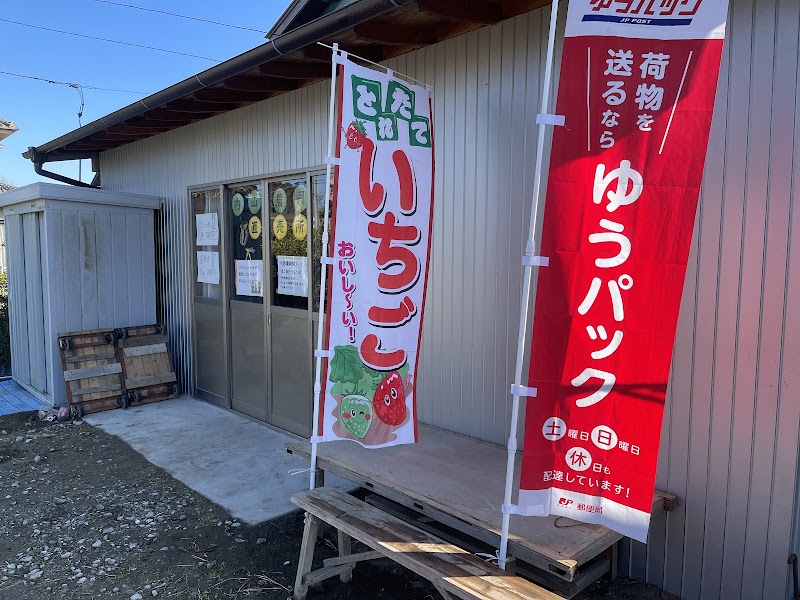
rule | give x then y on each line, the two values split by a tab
465	478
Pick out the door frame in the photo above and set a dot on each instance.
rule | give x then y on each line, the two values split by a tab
267	304
226	223
194	390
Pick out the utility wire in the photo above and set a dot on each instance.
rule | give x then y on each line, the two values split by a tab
85	87
78	88
163	12
91	37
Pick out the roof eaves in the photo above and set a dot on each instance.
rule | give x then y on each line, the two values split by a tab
286	43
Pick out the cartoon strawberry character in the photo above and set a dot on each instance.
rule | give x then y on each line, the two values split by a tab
389	401
355	415
355	135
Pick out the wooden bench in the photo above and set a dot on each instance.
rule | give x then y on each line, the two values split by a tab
453	571
461	488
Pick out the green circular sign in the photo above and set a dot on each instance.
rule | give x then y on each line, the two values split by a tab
279	200
299	199
237	204
254	201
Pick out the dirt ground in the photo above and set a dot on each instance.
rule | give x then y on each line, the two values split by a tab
82	515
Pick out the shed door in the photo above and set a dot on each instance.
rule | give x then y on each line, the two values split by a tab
26	304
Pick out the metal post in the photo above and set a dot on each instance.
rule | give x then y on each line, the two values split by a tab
324	275
526	286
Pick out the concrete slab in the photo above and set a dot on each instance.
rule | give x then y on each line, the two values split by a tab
231	460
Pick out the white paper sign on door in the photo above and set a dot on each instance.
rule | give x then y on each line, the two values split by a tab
293	275
207	229
208	267
249	278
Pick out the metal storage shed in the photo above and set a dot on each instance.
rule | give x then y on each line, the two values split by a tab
77	259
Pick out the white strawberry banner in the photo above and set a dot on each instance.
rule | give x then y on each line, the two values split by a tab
379	259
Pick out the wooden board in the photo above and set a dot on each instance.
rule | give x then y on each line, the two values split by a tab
150	380
99	356
144	350
462	485
100	388
93	371
141	341
447	566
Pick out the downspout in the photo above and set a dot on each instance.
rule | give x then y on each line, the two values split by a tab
36	158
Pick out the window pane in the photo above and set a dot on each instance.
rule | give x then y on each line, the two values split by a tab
205	235
247	243
318	208
289	243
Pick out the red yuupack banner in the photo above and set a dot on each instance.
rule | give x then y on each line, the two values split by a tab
637	89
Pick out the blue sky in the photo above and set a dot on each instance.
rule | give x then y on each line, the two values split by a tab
45	111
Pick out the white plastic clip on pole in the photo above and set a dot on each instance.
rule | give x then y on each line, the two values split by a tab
323	279
526	285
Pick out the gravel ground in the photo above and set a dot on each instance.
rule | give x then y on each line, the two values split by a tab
82	515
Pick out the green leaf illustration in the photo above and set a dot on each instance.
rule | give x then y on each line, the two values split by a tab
367	386
346	365
351	376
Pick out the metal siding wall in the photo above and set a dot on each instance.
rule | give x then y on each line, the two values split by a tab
56	261
34	346
17	300
730	439
104	269
88	271
730	431
2	247
48	299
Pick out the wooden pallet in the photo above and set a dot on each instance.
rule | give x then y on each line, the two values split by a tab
92	373
148	374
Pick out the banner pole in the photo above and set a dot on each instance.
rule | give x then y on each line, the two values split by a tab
324	271
530	250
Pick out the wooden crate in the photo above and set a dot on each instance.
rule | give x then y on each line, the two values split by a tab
92	372
148	374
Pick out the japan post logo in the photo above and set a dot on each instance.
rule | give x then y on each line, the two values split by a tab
565	503
647	8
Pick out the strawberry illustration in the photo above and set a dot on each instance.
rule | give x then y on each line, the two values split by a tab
355	415
389	401
355	135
